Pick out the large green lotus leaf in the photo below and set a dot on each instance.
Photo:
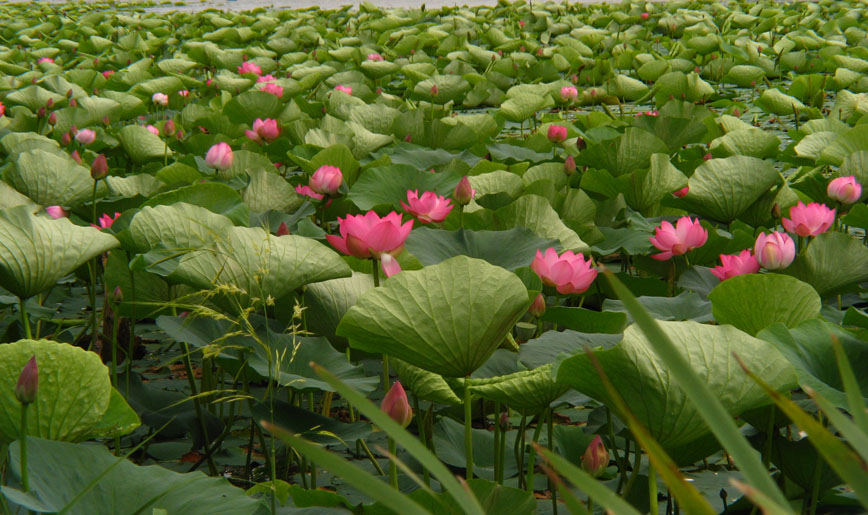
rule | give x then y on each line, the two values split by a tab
50	179
653	396
752	302
262	266
535	213
143	185
813	145
751	142
167	85
854	140
431	246
745	75
267	191
808	348
59	472
250	105
37	251
245	161
643	189
425	385
527	390
676	84
213	196
377	118
377	69
9	197
832	263
446	318
142	145
722	189
775	101
119	419
499	183
33	97
449	88
521	107
388	185
328	301
74	391
180	227
627	88
677	124
627	153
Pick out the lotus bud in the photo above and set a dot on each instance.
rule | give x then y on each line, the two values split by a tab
463	193
76	156
106	121
28	383
504	421
73	102
397	406
556	133
596	457
844	189
434	90
570	165
55	212
580	143
118	295
538	307
645	16
52	118
776	210
73	130
283	230
41	112
169	128
85	136
219	156
99	168
66	139
407	138
707	157
682	192
69	93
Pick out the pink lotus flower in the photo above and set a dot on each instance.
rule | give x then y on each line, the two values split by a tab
774	251
397	406
596	457
44	60
250	67
368	235
733	265
85	136
375	57
682	192
809	220
346	89
557	133
2	109
687	235
272	88
266	78
153	130
76	156
267	130
28	382
160	99
569	93
389	265
844	189
568	273
570	165
282	230
219	156
538	306
463	193
99	168
56	212
307	191
326	180
108	73
428	208
106	221
184	93
645	16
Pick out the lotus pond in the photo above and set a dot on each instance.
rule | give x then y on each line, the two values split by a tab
528	258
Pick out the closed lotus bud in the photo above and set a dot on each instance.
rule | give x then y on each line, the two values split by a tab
682	192
69	93
580	143
434	90
776	210
570	165
41	112
76	156
707	157
99	168
504	421
49	103
538	307
169	128
407	138
118	295
596	457
66	139
106	121
73	102
28	383
397	406
283	230
463	193
52	118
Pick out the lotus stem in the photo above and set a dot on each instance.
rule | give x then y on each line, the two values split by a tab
502	453
393	467
767	450
191	380
420	425
25	480
498	435
531	460
652	491
621	465
519	447
468	428
551	445
637	464
370	456
25	320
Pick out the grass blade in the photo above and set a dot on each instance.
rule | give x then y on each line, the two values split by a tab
854	434
410	443
855	401
766	503
712	411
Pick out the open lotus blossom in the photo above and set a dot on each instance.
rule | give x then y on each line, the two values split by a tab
44	60
266	78
368	235
267	130
732	265
272	88
809	220
346	89
375	57
56	212
85	136
106	221
557	133
682	192
153	130
389	265
161	99
569	93
774	251
568	273
844	189
250	67
686	235
397	406
219	156
428	208
326	180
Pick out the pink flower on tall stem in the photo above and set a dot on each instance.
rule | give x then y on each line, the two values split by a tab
267	130
774	251
428	208
266	78
346	89
568	273
732	265
557	133
397	406
326	180
844	189
106	221
307	191
809	220
368	235
464	192
596	457
569	93
161	99
28	382
686	235
44	60
153	130
219	156
375	57
85	136
272	88
250	67
56	212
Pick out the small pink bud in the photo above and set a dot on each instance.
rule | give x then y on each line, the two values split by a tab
645	16
99	168
41	112
538	307
219	156
682	192
169	128
408	138
326	180
56	212
85	136
707	157
52	118
596	457
76	156
397	406
844	189
283	230
49	103
66	139
118	295
28	383
570	165
504	421
557	133
434	90
463	193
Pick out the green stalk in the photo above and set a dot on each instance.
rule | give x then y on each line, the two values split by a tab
531	459
25	320
25	480
614	447
468	429
502	453
519	447
552	487
420	425
498	435
393	467
652	491
91	267
637	463
191	380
